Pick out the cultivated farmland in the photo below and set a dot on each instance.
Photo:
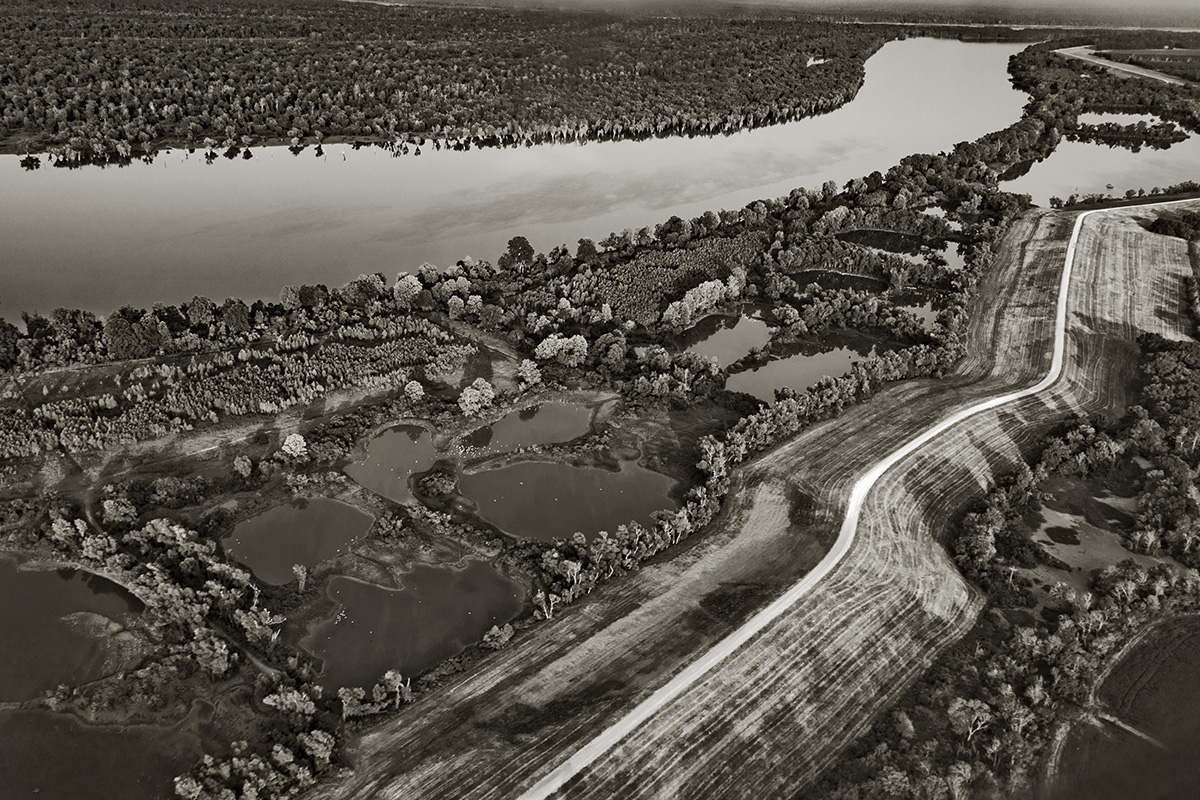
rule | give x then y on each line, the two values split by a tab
767	719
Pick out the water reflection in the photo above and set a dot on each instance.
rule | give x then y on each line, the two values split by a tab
438	613
55	757
42	647
546	423
726	338
798	371
541	500
179	227
306	532
1081	168
392	457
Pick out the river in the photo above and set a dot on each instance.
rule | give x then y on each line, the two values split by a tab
179	227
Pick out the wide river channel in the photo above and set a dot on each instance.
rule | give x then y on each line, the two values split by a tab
180	227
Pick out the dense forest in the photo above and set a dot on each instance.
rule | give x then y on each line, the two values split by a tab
98	79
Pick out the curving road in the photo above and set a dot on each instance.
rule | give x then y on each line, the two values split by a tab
554	781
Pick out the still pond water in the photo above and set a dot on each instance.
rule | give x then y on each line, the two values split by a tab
178	227
544	501
799	371
726	338
305	532
392	458
439	612
546	423
41	646
49	626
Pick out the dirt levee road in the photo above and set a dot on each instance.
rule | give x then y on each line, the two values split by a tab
1087	54
766	715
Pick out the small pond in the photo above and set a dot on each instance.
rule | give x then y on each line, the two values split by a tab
923	309
884	240
827	279
54	757
940	213
814	362
1154	689
439	612
726	337
542	500
307	531
392	457
42	647
907	245
546	423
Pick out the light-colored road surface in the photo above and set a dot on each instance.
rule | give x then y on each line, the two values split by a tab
1087	54
554	781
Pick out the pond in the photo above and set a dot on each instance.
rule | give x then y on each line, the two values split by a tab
542	500
940	213
42	647
1154	689
178	227
438	613
922	308
904	244
726	337
392	457
54	757
545	423
53	628
814	362
306	531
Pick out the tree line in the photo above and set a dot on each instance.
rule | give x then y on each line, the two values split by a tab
102	79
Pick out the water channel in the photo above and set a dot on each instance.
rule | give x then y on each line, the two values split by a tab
179	227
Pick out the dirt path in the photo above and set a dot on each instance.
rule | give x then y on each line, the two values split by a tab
764	717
